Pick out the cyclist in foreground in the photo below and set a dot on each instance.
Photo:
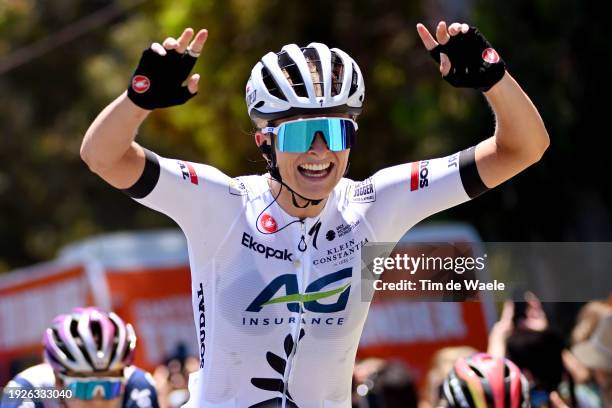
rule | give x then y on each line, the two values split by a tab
88	356
275	258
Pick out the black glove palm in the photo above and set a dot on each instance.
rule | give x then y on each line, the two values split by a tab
157	81
474	63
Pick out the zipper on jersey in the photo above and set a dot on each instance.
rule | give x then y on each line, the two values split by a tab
298	326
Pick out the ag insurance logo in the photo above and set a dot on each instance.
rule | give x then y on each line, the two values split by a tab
316	291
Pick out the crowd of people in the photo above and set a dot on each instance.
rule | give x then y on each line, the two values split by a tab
558	372
88	353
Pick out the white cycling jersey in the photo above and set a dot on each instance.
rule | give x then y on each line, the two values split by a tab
276	299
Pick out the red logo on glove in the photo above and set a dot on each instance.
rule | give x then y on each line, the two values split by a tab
140	84
490	55
268	223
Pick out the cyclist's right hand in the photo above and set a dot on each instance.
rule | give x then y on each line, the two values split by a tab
162	76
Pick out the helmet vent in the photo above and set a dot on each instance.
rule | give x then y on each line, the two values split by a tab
271	84
316	71
96	333
478	372
354	82
79	341
292	73
60	344
115	343
337	74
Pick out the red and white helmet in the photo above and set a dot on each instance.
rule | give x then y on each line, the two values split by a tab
281	84
89	340
484	381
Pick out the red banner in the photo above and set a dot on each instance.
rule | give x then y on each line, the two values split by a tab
29	300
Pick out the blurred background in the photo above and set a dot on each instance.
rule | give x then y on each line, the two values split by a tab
62	61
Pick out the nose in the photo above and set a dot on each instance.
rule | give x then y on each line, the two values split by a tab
319	145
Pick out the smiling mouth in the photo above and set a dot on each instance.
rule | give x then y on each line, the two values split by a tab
312	170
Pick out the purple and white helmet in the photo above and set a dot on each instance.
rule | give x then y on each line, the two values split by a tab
89	340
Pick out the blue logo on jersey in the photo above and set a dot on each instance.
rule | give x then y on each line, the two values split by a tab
309	299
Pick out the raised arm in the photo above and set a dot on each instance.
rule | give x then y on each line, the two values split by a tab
108	147
520	137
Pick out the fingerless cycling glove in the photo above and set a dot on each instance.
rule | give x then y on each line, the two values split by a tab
157	81
474	63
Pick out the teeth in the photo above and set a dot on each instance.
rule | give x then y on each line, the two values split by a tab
315	167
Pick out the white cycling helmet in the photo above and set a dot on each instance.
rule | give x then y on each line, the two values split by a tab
89	340
282	84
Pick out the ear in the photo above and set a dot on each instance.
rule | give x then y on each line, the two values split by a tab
264	144
260	138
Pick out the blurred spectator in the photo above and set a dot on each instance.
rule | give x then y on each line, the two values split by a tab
596	354
441	364
588	318
172	379
383	384
523	336
520	315
538	354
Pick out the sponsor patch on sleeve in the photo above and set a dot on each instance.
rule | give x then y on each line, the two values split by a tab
237	187
188	171
362	192
419	175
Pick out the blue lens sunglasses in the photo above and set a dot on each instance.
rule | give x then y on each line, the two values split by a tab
88	388
296	136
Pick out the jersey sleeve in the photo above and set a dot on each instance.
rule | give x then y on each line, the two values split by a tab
182	190
396	198
140	390
19	382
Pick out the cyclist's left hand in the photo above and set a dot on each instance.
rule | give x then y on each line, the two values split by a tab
443	34
466	58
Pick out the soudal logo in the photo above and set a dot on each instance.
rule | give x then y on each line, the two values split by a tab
310	299
188	172
140	84
268	223
490	55
268	252
419	175
202	323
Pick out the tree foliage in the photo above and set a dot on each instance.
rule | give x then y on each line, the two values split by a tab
558	51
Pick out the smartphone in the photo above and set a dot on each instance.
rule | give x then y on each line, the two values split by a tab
520	306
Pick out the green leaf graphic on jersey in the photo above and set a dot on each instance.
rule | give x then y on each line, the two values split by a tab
287	285
307	297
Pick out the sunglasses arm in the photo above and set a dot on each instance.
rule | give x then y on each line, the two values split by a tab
269	129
